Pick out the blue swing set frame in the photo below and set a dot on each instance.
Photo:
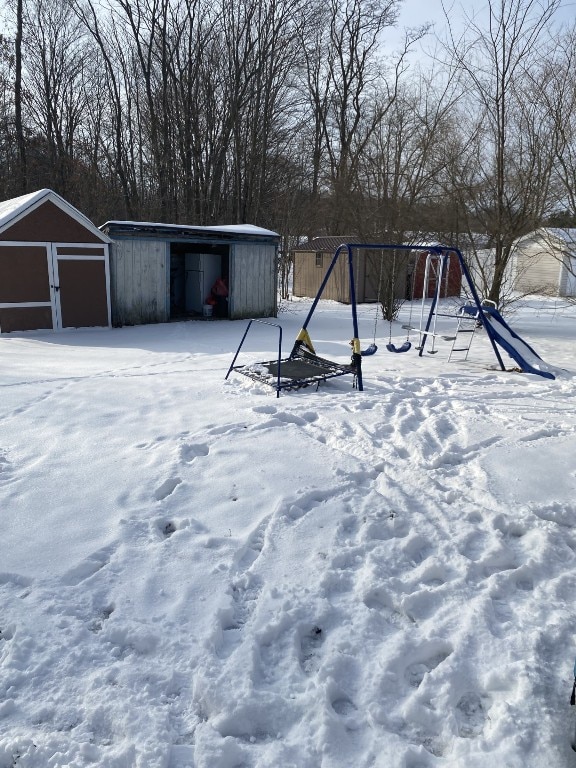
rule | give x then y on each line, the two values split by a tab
303	367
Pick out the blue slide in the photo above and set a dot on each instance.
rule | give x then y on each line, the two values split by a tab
527	359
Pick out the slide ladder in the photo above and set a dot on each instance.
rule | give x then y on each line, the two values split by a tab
462	340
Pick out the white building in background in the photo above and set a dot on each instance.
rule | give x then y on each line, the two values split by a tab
544	261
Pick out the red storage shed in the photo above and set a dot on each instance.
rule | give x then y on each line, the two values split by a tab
54	266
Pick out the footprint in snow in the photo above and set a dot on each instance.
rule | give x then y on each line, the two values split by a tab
281	417
97	623
417	671
347	711
251	550
267	409
7	632
166	528
343	706
245	593
310	645
384	530
510	528
88	567
501	613
152	444
377	599
14	579
417	549
435	576
190	451
167	488
471	715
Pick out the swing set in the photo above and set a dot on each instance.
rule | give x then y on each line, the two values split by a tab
303	367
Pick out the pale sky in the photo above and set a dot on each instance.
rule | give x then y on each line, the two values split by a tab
415	12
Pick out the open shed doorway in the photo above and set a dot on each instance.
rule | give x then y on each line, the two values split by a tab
194	268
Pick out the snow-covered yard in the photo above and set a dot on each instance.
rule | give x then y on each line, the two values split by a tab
196	573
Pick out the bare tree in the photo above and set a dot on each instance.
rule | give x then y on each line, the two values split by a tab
502	169
560	99
56	56
8	145
403	169
349	95
20	138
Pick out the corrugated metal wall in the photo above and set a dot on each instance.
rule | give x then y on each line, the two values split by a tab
138	282
253	281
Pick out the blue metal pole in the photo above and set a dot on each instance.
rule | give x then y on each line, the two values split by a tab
356	353
323	285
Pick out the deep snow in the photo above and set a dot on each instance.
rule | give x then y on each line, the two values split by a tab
195	573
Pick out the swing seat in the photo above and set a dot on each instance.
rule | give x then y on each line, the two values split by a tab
371	350
404	348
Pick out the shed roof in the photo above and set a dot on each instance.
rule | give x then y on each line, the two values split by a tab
550	239
565	235
326	243
330	243
17	208
187	232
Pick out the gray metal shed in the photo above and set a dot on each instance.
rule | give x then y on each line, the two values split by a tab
163	272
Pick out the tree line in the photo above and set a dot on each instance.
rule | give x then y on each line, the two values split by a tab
295	116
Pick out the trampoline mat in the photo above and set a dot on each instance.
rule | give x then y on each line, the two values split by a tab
303	369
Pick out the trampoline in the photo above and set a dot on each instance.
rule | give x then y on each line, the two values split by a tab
301	369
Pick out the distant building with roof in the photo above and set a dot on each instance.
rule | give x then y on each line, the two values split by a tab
544	262
374	272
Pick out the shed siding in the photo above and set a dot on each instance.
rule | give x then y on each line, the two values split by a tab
25	319
24	274
138	282
537	269
79	250
373	270
308	277
81	308
253	276
49	223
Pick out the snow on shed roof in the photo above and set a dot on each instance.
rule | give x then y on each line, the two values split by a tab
16	208
231	229
568	234
563	238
